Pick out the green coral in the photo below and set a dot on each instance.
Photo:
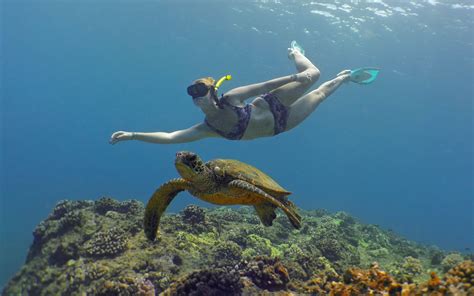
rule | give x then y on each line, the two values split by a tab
227	253
407	270
451	260
190	241
263	246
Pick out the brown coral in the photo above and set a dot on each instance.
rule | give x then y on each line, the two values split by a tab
213	282
461	277
371	279
127	286
267	273
356	281
458	281
193	214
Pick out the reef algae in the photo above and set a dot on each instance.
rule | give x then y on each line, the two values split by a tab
99	248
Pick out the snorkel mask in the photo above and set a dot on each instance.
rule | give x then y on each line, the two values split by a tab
198	90
201	89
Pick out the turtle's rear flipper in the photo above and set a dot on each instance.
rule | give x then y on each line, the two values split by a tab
266	213
285	205
294	217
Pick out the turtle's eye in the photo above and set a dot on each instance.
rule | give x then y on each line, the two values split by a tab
194	162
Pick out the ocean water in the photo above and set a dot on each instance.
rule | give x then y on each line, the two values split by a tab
397	153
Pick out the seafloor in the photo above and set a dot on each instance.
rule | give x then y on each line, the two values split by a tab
99	248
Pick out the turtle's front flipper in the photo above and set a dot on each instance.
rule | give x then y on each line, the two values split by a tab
295	219
158	203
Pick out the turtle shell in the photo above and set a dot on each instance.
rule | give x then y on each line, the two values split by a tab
241	171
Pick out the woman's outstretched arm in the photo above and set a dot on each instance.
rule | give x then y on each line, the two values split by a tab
194	133
240	94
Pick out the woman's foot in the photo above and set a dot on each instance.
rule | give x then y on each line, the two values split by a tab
346	74
295	48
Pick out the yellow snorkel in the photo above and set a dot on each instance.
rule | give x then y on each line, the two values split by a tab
221	80
216	87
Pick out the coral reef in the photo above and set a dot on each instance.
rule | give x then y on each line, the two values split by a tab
99	248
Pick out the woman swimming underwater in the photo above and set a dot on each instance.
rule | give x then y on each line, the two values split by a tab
280	105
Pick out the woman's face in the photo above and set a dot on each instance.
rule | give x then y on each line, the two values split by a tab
204	101
201	100
203	95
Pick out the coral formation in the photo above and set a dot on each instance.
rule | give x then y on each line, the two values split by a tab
127	286
99	248
213	282
407	270
108	243
227	253
451	260
66	206
193	219
267	273
193	215
65	216
374	281
105	204
461	278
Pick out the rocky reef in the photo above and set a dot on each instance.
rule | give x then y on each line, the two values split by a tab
99	248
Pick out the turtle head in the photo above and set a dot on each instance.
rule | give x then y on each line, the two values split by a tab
189	165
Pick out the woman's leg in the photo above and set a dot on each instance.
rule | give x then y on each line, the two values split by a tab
305	105
290	92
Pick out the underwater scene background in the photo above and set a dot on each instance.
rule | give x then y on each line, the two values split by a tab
396	153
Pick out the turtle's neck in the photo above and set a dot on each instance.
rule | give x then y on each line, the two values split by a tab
204	182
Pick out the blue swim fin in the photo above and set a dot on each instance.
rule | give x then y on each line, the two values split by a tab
364	75
294	45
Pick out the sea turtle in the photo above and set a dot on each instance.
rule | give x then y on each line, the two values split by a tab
222	182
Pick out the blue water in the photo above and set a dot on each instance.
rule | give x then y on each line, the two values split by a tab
397	153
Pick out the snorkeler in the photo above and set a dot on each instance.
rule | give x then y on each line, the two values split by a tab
280	105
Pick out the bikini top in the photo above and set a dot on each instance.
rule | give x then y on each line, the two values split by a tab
243	115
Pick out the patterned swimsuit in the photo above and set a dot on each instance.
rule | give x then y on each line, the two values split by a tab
279	111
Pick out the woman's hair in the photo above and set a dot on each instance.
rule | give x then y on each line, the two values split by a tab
210	82
206	80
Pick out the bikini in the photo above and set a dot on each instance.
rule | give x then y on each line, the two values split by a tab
279	111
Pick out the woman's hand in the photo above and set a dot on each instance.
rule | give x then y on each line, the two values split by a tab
120	136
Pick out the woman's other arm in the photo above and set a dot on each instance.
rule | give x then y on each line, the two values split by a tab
194	133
